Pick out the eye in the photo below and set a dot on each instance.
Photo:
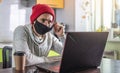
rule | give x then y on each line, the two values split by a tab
43	20
49	21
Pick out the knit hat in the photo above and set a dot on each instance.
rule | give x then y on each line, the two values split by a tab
39	9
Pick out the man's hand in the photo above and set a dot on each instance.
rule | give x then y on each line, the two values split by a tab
59	29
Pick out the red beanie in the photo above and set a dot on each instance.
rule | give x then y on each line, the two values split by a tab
39	9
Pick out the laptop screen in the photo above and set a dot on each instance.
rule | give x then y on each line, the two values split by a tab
83	50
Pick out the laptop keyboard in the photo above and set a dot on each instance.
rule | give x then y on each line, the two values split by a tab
48	67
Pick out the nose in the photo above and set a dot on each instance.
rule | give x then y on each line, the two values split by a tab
46	23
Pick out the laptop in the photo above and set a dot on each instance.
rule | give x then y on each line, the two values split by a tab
82	50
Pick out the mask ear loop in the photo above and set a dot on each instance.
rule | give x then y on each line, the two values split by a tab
54	24
34	22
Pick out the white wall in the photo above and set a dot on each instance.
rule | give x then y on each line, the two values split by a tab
67	14
71	15
6	34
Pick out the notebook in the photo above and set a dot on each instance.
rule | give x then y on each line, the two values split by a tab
82	50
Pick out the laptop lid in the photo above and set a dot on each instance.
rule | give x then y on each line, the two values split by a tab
82	50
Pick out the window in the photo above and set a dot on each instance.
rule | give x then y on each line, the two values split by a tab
103	15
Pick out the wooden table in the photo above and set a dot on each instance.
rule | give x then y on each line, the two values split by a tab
107	66
32	70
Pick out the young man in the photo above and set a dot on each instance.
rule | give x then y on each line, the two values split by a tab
35	39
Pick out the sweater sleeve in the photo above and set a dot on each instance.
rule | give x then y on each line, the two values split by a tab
20	44
58	44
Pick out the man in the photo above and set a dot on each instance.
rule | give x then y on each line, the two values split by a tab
35	39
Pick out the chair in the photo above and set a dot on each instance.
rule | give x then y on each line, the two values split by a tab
7	56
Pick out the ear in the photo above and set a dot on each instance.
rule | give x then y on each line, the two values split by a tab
34	22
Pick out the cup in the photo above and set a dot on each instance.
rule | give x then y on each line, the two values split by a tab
20	60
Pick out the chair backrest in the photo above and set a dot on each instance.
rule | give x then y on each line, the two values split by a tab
7	56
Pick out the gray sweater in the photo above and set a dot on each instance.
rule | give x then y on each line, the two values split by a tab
24	40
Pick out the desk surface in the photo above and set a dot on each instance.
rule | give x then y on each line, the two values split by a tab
107	66
32	70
